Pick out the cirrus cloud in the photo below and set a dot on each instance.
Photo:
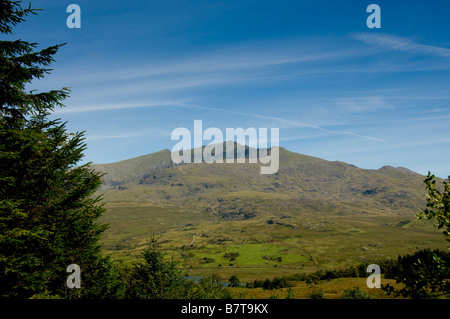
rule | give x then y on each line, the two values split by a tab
397	43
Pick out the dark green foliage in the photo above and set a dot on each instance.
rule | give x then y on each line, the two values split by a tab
47	212
275	283
255	284
159	278
210	288
280	282
232	256
267	284
424	274
155	278
234	281
405	265
207	260
317	294
438	204
355	293
20	64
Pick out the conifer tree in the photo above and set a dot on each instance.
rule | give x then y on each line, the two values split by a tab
48	215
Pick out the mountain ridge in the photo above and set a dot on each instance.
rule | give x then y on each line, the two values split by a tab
162	159
239	190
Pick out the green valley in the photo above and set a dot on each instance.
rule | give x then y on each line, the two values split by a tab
228	219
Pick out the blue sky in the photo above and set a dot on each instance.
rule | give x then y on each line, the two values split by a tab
335	88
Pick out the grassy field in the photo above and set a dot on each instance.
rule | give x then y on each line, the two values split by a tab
261	247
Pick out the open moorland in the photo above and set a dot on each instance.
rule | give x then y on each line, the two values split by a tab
228	219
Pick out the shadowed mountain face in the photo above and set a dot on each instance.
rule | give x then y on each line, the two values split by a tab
238	191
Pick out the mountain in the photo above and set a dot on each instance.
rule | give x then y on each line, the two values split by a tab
311	214
302	181
119	173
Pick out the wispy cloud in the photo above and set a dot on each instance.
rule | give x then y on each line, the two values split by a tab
112	106
291	122
421	119
263	63
437	110
239	57
397	43
362	104
239	63
154	133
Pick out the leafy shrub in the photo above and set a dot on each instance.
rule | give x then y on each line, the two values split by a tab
355	293
317	294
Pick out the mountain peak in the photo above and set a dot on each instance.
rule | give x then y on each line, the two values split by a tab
397	169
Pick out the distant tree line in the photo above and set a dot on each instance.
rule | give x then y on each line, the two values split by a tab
267	284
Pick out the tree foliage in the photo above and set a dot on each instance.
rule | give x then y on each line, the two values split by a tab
424	274
438	204
355	293
154	278
47	211
234	281
427	274
157	277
